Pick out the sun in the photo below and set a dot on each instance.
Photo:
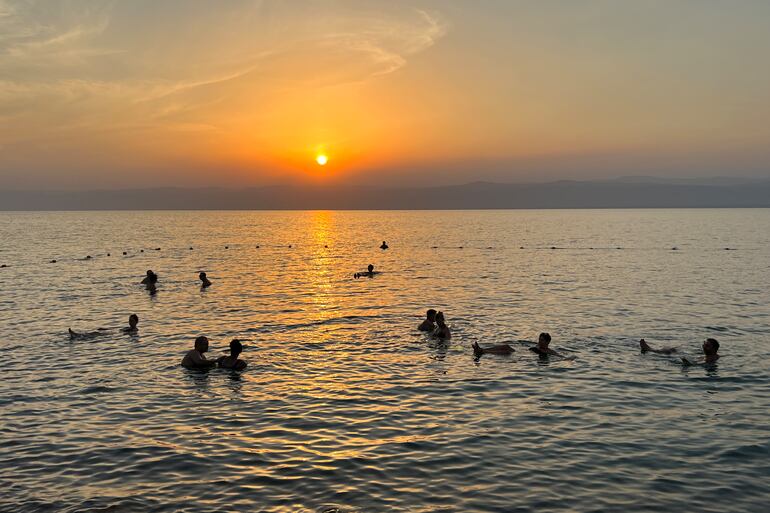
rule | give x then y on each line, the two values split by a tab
321	159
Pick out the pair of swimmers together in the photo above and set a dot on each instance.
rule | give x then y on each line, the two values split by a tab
151	279
133	321
196	359
436	324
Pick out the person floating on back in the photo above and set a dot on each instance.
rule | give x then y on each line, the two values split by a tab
543	341
645	347
710	352
195	359
133	320
369	272
442	330
204	281
232	361
429	324
384	245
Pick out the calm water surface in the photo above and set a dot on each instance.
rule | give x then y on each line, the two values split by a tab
345	406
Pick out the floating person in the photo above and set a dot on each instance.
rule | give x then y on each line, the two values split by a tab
429	324
543	341
645	347
133	320
88	257
232	362
204	281
498	349
53	261
710	352
442	330
195	359
384	245
125	253
369	272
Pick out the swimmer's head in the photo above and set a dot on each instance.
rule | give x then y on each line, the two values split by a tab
544	339
440	318
236	347
202	276
133	320
370	267
710	346
149	272
202	344
431	315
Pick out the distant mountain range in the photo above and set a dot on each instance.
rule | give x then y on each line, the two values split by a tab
628	192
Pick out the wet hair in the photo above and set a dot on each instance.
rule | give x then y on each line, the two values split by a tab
236	347
133	318
200	341
714	343
546	337
370	267
430	313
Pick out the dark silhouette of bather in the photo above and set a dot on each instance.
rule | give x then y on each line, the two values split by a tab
369	272
442	330
133	320
384	245
205	282
543	341
232	361
429	324
150	281
710	354
195	359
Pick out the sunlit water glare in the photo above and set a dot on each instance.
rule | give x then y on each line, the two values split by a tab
344	404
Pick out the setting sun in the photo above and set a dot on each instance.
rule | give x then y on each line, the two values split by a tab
322	160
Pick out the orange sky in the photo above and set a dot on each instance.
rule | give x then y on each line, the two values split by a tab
141	93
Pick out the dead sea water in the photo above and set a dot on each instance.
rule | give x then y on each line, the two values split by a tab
345	406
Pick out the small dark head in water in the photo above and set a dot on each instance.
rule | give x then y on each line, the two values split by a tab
370	268
710	347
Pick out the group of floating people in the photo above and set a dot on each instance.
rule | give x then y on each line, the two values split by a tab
435	324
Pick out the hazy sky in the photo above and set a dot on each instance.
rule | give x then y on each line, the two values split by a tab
227	92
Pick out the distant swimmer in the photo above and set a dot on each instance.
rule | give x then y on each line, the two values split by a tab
498	349
543	341
442	330
710	349
384	245
645	347
150	279
429	324
369	272
205	282
133	320
194	358
232	361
